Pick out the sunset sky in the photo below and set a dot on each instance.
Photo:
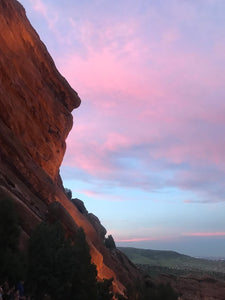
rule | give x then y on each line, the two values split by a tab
147	150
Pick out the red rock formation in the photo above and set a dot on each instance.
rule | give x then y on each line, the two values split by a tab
35	119
40	117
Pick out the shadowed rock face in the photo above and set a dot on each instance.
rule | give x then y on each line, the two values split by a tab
35	119
196	288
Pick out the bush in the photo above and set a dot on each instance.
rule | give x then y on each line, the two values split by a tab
59	268
105	289
160	292
11	261
9	227
56	267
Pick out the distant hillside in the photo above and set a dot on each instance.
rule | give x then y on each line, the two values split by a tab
170	262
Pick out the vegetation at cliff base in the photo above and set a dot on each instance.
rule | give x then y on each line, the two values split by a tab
160	292
53	267
11	260
58	267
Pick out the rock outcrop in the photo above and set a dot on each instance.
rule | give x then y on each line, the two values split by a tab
35	119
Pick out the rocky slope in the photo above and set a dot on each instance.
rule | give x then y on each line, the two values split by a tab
195	288
187	275
35	119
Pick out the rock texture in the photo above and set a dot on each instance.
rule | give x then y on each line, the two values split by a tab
40	117
35	119
196	288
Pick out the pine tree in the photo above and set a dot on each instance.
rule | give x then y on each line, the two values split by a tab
105	289
11	262
58	267
9	229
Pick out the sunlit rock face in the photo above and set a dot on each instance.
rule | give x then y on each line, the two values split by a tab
40	117
35	119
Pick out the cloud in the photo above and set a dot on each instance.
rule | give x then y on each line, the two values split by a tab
151	78
49	13
205	180
40	7
99	196
147	147
204	234
135	239
170	238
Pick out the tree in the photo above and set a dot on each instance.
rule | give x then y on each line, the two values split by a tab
11	261
105	289
9	228
160	292
58	267
84	279
120	297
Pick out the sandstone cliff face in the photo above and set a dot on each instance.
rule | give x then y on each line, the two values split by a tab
40	116
35	119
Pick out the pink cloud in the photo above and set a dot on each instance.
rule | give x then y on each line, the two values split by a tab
88	193
40	7
104	71
49	14
152	111
100	196
155	237
116	141
135	239
145	92
87	160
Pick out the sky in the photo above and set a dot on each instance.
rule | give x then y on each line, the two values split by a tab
147	150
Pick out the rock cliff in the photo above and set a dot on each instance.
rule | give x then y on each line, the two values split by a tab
35	119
